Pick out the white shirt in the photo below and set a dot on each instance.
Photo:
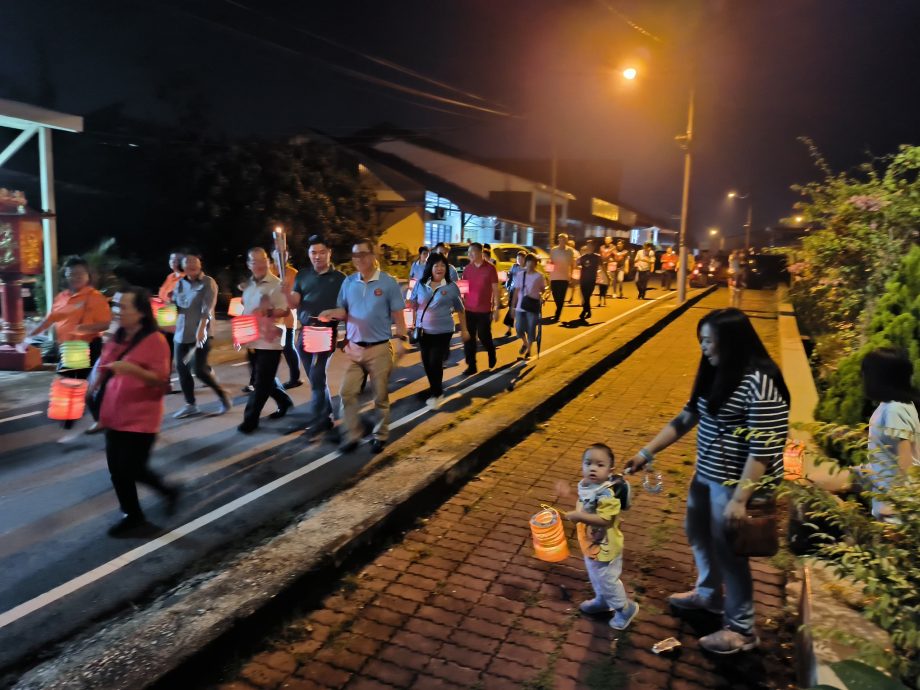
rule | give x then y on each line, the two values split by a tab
270	330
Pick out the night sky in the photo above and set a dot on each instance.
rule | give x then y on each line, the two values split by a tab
843	72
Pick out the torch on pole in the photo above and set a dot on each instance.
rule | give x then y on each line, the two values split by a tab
281	253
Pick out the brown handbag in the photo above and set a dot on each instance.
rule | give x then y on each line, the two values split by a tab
757	534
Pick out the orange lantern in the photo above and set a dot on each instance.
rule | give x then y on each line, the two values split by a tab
464	287
576	274
236	307
549	542
245	329
318	339
793	460
67	399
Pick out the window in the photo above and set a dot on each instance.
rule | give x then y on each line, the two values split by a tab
437	232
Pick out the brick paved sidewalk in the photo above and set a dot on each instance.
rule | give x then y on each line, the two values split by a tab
461	602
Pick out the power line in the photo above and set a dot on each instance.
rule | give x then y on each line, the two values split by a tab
630	22
355	74
367	56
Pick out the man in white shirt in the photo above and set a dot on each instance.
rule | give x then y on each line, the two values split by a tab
563	259
264	297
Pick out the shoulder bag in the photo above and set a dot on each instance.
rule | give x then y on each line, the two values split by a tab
418	331
528	304
94	393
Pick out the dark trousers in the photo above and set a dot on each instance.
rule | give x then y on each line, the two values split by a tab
170	340
479	324
642	282
127	454
202	370
558	288
587	289
667	279
433	346
290	355
266	384
314	363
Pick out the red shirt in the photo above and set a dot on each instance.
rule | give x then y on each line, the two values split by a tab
129	404
481	280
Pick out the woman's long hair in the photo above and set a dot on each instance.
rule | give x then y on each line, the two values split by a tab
887	373
429	265
740	352
142	304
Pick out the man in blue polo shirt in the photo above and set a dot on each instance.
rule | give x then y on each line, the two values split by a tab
370	302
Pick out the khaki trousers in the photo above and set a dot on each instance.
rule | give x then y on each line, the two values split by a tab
377	362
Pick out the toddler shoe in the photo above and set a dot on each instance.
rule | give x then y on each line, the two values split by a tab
623	617
593	607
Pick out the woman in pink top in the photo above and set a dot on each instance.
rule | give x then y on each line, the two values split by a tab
134	376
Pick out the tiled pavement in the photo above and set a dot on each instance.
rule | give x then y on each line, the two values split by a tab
460	602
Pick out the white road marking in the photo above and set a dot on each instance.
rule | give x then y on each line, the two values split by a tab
20	416
31	606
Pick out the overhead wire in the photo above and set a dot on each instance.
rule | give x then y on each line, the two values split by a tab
629	22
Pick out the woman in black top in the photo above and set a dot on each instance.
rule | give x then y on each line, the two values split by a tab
741	405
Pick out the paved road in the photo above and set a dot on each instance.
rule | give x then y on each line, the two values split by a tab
460	602
60	570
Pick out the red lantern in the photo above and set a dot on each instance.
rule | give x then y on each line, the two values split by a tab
245	329
464	287
408	316
67	399
318	339
156	304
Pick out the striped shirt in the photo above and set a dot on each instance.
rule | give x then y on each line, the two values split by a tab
754	422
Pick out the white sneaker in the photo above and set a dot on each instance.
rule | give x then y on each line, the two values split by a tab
435	402
226	404
187	411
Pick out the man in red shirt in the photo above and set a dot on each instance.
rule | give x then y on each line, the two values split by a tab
482	306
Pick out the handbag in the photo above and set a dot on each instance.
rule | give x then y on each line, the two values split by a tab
529	304
418	331
757	534
94	393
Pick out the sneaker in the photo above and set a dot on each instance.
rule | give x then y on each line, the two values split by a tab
692	601
187	411
507	333
130	526
226	404
248	388
593	607
623	617
435	402
493	360
94	429
292	384
523	349
728	641
469	371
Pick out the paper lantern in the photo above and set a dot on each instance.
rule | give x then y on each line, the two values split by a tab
549	266
236	307
156	304
464	287
67	399
409	315
74	354
318	339
576	274
167	315
794	460
245	329
503	276
549	542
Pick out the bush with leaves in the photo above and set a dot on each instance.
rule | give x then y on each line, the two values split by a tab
880	557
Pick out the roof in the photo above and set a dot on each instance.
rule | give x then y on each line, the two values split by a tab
23	116
467	201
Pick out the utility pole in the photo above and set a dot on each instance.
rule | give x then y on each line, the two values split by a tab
552	201
687	143
747	227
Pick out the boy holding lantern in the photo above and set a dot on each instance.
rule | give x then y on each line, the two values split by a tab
601	499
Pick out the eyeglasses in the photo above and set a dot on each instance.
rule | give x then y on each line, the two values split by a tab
360	255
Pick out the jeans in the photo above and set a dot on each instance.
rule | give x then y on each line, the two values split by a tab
525	323
202	370
642	282
716	563
479	324
558	289
266	384
433	346
605	579
315	364
376	362
290	355
127	454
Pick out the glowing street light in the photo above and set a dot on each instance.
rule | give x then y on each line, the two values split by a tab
630	73
799	219
747	226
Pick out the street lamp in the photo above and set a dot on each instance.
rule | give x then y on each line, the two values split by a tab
685	141
750	213
713	232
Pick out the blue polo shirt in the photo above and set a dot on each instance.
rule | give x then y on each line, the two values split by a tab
369	306
436	315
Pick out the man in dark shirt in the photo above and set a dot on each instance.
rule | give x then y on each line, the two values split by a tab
315	290
589	263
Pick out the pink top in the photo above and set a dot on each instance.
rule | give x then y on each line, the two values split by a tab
480	279
129	404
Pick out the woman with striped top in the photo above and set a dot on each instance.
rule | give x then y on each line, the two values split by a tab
741	405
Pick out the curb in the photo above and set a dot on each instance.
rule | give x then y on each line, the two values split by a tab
169	638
